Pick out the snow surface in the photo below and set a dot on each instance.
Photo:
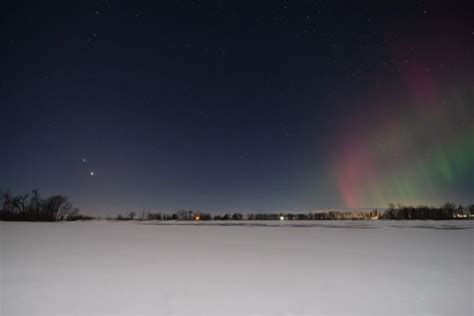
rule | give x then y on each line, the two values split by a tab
251	268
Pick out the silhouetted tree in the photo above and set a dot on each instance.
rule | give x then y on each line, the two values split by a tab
471	210
237	217
24	207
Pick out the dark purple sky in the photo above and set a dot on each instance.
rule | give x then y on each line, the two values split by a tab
235	105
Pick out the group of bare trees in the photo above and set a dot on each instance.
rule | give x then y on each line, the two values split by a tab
183	215
32	207
446	211
203	216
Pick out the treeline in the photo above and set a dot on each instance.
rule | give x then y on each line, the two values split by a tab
444	212
203	216
32	207
447	211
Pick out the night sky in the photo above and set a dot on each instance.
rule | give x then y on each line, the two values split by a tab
234	105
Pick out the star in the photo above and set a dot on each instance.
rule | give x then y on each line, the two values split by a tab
91	173
84	160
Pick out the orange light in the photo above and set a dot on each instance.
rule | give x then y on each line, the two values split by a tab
197	218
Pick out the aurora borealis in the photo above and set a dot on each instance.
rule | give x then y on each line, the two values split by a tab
419	145
239	106
401	162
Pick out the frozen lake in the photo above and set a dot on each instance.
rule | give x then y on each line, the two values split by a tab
246	268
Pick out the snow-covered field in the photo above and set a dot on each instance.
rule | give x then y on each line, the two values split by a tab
270	268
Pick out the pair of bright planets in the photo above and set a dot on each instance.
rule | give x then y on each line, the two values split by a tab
91	173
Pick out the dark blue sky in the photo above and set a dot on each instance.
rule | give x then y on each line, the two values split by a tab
222	105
